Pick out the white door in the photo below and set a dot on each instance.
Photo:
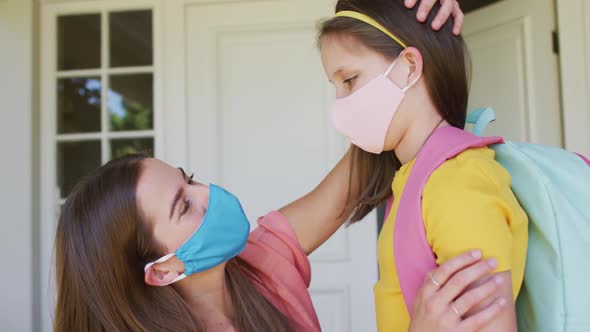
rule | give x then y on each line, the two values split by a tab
515	70
257	122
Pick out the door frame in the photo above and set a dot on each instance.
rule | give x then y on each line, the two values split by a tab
573	22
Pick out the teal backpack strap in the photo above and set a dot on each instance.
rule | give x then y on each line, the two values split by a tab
480	119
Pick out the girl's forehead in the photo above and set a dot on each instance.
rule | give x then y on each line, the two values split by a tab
346	53
344	42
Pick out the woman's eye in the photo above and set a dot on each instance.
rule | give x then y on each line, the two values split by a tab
187	205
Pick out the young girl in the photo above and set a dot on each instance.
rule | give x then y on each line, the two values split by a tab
397	82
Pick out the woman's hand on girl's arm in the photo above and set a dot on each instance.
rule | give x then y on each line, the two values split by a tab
506	321
445	300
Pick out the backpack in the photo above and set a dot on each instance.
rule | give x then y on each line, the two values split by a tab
552	186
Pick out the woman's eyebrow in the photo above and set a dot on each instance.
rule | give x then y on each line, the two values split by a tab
179	193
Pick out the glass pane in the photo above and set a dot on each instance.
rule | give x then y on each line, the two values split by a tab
78	42
131	38
74	161
131	102
78	105
121	147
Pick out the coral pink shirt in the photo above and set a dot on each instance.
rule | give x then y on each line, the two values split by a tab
282	269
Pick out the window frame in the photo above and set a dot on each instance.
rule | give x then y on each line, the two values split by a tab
49	137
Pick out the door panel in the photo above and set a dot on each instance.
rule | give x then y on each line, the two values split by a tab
257	123
515	70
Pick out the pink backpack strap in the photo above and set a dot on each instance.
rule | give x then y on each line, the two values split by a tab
388	207
583	158
413	255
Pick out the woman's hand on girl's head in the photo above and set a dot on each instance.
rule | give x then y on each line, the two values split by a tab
444	299
448	8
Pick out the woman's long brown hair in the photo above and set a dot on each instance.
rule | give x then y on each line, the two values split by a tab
101	249
446	68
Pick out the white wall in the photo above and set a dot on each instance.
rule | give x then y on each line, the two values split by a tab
574	34
16	192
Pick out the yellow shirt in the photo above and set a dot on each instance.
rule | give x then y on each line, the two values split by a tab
466	204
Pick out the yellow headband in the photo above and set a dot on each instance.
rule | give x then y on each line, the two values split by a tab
370	21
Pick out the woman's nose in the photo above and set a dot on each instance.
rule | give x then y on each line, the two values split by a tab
202	192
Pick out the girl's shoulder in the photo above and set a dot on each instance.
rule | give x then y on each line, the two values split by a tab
472	168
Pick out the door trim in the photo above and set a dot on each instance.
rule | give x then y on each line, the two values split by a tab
574	34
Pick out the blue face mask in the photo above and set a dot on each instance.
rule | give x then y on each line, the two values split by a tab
221	236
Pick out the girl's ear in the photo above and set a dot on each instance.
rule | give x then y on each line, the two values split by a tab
412	59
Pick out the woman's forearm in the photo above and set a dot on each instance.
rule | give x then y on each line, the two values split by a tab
320	213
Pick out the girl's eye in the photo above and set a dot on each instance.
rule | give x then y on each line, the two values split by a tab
350	81
190	179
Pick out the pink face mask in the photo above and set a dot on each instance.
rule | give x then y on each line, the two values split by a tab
364	116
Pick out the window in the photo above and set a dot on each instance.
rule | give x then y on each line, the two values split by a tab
104	87
99	100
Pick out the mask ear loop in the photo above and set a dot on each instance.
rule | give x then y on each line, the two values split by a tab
180	277
163	259
409	85
391	66
412	84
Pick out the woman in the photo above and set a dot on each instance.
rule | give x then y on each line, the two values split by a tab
138	225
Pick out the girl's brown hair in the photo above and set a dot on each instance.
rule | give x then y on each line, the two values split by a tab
445	71
102	245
